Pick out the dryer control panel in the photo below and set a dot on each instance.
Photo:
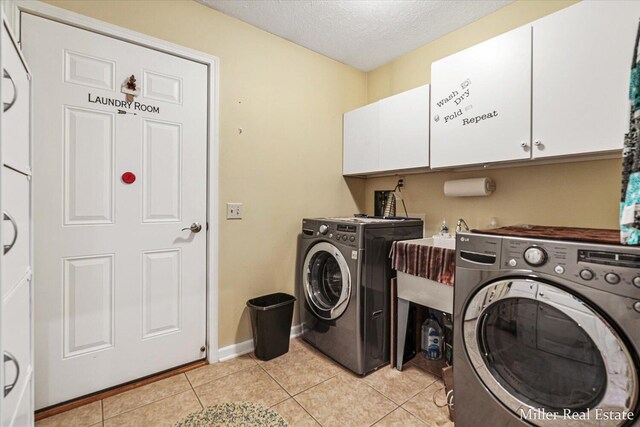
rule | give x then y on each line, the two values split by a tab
615	269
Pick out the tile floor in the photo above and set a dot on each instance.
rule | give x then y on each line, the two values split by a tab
303	386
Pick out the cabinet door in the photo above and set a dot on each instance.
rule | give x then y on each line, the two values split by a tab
16	341
581	63
404	130
16	233
361	149
481	102
24	413
16	103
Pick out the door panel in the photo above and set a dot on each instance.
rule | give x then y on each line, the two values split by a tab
361	140
481	102
574	111
404	130
89	71
15	99
88	304
15	226
162	297
121	289
162	87
89	166
161	174
16	342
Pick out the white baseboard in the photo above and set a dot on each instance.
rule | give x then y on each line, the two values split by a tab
244	347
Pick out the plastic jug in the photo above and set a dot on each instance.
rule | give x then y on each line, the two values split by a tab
431	338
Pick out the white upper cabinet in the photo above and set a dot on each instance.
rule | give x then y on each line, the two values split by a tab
361	145
404	130
389	135
581	63
481	103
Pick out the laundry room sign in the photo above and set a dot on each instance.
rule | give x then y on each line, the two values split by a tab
119	103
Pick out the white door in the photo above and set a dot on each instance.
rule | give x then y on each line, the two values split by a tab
481	102
581	65
404	130
120	289
361	140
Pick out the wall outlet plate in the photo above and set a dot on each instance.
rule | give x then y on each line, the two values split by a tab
234	210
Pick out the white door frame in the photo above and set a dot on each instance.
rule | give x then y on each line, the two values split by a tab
63	16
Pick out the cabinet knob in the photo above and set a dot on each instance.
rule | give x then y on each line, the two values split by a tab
524	145
537	143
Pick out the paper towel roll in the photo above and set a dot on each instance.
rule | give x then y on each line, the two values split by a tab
469	187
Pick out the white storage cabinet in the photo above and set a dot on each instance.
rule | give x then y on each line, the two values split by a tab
389	135
16	310
481	103
556	87
581	63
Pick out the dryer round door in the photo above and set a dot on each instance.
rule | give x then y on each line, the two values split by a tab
548	355
327	281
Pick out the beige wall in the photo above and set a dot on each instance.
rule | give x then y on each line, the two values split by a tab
289	102
579	194
287	163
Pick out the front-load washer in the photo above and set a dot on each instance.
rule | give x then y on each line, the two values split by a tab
343	285
546	332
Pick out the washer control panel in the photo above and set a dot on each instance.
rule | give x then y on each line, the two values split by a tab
613	268
345	234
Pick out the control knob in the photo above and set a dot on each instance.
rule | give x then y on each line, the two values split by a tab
535	256
323	229
612	278
586	274
636	281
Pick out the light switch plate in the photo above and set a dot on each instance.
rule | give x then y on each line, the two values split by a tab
234	210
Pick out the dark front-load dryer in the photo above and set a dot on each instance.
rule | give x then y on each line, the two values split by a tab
546	333
343	274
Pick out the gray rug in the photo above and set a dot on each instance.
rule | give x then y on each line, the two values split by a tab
233	415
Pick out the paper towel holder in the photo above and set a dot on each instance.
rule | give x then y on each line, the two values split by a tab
483	186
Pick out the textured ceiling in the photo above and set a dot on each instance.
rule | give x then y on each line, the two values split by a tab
362	33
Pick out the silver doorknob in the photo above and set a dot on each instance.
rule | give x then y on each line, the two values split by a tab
195	228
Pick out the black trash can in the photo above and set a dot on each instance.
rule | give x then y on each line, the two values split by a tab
271	317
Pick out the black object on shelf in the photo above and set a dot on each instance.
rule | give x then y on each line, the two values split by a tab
380	202
271	317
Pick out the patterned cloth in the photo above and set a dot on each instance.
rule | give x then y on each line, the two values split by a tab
429	262
572	234
630	194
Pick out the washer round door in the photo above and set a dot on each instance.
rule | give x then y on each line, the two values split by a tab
327	281
548	356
